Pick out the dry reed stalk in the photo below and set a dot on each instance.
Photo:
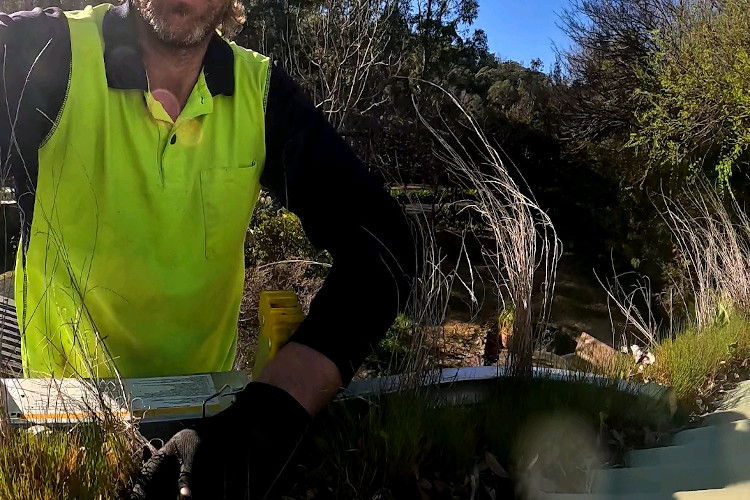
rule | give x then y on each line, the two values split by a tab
525	240
714	239
427	309
635	305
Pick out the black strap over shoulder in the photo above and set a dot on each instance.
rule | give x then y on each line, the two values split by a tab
35	68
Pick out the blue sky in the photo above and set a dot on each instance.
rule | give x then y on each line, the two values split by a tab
522	30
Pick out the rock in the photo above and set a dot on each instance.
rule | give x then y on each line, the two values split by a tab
595	352
642	357
562	343
549	360
37	430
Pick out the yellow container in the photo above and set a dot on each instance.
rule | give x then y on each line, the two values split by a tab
280	314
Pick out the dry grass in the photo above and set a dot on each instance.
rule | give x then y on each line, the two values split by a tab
634	304
524	239
691	361
523	244
711	233
88	462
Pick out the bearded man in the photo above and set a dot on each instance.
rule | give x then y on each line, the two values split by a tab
138	138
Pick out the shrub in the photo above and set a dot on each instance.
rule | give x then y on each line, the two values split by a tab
392	350
88	462
276	234
696	355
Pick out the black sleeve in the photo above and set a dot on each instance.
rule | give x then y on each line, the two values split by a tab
345	210
34	65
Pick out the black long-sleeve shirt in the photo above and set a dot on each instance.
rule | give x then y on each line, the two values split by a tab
309	168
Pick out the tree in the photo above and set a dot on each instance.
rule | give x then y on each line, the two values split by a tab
694	103
612	40
346	51
437	25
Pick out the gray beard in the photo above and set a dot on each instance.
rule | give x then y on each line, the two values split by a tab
178	39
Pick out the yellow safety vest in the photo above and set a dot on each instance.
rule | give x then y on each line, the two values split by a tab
135	258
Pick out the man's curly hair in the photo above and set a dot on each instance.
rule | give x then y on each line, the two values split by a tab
234	18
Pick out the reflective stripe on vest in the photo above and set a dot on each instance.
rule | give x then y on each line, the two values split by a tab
135	258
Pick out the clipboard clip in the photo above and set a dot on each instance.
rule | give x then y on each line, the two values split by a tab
222	392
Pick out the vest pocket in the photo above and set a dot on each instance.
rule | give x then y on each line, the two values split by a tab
228	195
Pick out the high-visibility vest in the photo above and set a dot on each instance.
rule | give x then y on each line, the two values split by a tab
136	253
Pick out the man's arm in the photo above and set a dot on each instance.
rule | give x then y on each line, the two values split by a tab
34	68
345	210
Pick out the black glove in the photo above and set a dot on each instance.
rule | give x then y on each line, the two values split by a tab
238	454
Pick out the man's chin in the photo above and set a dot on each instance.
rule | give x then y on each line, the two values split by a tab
177	28
175	36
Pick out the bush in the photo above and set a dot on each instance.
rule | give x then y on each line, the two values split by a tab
85	463
392	350
688	362
276	234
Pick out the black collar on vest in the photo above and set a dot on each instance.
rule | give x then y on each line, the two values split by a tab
124	67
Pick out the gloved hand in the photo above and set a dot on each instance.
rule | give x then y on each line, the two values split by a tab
238	454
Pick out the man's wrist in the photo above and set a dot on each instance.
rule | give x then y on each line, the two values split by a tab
307	375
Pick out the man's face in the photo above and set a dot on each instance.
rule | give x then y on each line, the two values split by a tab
182	23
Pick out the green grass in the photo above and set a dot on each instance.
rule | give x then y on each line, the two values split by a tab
377	449
687	362
85	463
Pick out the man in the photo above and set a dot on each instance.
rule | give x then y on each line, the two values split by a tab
138	139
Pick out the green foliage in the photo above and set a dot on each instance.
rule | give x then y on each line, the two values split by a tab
369	449
694	108
275	235
392	350
688	361
86	463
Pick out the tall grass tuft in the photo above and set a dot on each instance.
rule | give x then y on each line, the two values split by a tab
711	233
634	305
524	242
686	362
411	348
711	238
88	462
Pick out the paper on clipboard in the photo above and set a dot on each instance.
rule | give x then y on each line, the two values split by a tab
180	395
50	401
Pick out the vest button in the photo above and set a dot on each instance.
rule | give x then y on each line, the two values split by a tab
173	139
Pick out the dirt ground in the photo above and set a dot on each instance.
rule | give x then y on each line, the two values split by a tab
579	305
